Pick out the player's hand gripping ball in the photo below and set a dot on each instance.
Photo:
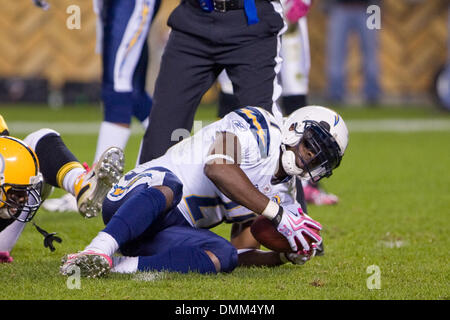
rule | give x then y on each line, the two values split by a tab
307	230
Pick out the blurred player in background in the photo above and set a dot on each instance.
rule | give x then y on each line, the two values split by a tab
233	170
30	168
122	32
294	77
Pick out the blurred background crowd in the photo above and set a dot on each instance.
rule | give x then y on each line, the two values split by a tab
403	62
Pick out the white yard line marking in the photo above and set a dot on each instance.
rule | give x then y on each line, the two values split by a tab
399	125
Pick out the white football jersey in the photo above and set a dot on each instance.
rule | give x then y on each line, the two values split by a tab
202	204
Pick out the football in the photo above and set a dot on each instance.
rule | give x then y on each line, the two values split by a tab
267	235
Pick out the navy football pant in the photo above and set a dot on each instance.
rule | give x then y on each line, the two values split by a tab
167	231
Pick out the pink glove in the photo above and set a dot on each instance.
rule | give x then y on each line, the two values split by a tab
5	257
296	9
296	227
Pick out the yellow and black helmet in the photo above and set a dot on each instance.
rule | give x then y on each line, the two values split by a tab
20	180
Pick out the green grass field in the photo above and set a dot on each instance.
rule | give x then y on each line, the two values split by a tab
394	213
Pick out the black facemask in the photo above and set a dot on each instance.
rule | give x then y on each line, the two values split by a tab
319	141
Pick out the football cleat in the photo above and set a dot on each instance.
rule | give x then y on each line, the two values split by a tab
66	203
91	187
91	264
317	196
5	257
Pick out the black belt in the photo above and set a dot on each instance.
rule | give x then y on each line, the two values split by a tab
222	5
227	5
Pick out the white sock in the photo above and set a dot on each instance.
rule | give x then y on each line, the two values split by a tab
70	178
139	153
144	123
125	264
104	243
111	135
10	235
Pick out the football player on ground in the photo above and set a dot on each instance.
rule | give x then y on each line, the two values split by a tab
30	168
158	215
